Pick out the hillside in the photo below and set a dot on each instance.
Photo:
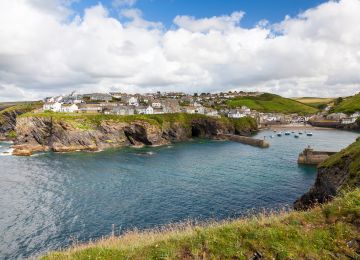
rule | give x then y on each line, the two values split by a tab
329	231
271	103
349	105
318	103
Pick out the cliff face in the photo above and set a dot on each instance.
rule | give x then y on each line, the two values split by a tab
340	171
8	119
63	135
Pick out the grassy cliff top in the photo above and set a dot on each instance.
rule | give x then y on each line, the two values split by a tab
329	232
341	158
19	108
349	105
272	103
88	121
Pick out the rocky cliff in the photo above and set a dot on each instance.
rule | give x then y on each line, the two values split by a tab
8	117
97	132
341	171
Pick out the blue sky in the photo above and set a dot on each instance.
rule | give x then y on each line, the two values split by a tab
165	10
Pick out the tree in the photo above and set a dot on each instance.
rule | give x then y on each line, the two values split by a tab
338	100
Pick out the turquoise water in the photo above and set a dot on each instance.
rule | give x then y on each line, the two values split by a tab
50	200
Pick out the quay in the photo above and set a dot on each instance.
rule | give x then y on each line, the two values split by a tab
311	157
245	140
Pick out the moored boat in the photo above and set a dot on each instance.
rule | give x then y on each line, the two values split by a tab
287	133
309	134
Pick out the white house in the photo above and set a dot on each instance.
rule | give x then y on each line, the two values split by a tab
133	101
348	120
156	104
149	110
52	106
69	108
235	114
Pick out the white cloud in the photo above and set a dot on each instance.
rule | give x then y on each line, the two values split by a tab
43	51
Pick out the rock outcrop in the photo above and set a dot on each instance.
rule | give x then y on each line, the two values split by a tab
340	171
78	134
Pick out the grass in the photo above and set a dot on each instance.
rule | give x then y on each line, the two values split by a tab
349	105
342	158
272	103
315	102
329	231
19	109
91	121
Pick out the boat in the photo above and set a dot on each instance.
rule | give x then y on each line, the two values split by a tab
309	134
279	134
296	136
300	133
287	133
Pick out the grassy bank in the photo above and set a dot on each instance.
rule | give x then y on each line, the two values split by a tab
328	231
341	158
89	121
18	109
318	103
348	105
272	103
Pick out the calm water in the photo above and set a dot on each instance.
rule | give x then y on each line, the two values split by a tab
49	200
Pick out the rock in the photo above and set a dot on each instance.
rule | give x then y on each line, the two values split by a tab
79	134
22	152
342	172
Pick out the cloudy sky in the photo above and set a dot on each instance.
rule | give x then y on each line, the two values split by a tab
292	48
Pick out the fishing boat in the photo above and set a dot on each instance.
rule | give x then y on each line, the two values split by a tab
309	134
296	136
300	133
279	134
287	133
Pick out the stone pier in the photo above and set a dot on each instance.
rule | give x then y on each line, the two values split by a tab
311	157
245	140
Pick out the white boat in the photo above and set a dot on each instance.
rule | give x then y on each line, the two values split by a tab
287	133
309	134
279	134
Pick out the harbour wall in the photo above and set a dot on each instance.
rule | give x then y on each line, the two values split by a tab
245	140
311	157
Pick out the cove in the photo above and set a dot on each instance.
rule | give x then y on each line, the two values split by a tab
50	200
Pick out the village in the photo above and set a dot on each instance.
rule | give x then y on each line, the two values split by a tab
209	104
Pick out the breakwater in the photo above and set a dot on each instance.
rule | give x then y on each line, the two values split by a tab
311	157
245	140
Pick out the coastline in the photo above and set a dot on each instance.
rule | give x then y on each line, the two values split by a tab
296	127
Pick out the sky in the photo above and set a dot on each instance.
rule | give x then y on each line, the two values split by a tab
292	48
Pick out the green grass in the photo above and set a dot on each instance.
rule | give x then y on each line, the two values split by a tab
349	105
19	109
323	232
318	103
341	158
272	103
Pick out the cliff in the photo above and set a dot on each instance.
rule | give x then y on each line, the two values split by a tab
66	133
8	117
340	171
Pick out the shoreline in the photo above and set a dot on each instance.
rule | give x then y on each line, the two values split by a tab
293	126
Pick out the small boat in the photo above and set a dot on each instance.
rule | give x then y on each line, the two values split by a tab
300	133
309	134
279	134
296	136
274	131
292	132
287	133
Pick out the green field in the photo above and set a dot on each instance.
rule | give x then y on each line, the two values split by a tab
18	108
319	103
349	105
272	103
